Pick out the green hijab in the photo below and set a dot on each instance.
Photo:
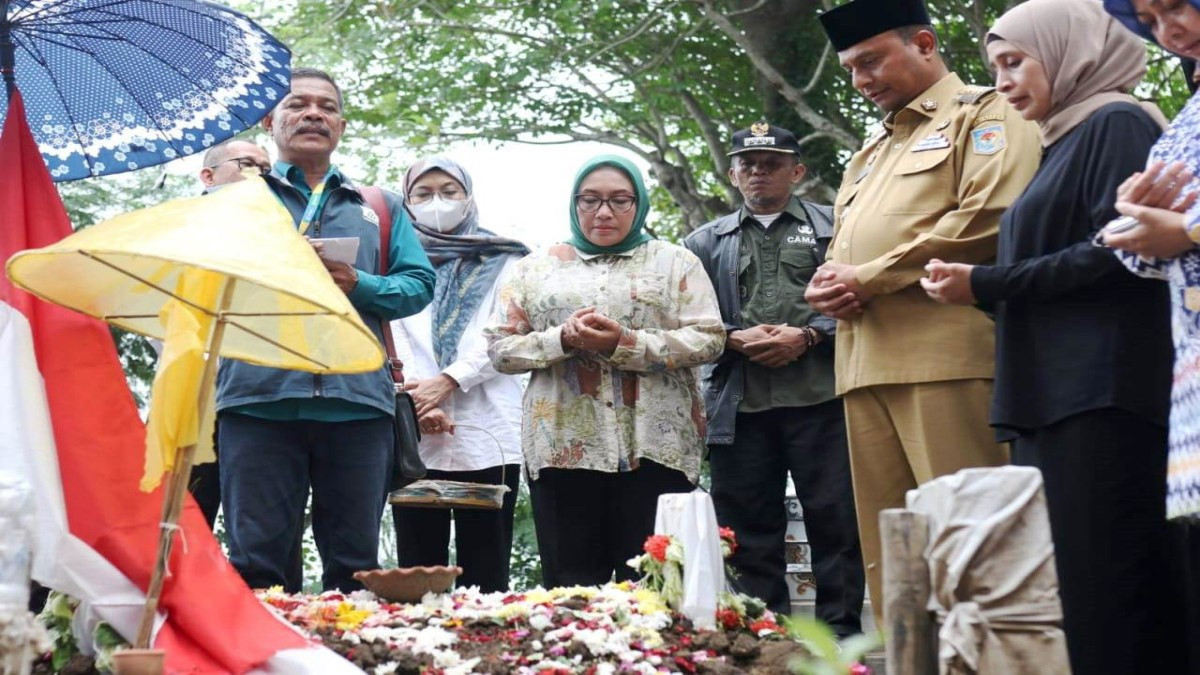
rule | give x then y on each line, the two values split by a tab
637	235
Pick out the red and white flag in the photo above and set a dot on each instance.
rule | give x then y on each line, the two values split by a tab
69	425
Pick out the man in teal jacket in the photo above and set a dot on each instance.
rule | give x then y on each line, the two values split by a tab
284	431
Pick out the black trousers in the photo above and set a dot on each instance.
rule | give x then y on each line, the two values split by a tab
749	480
590	523
267	470
1105	473
1185	560
482	539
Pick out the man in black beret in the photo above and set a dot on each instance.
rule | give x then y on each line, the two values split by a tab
915	375
771	406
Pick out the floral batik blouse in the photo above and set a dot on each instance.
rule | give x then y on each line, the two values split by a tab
584	410
1181	143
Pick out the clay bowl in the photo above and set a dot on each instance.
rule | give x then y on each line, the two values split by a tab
408	584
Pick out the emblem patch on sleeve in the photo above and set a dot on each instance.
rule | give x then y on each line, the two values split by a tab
987	139
370	216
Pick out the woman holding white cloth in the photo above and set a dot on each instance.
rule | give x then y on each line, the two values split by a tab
457	392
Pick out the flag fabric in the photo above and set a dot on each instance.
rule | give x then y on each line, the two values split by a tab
68	422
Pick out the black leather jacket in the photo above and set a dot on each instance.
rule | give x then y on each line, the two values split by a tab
717	244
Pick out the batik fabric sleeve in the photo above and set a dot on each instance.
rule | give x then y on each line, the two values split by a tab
1181	143
584	410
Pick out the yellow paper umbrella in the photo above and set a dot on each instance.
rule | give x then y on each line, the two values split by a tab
225	273
284	312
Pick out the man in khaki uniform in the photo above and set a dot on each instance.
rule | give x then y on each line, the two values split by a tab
916	376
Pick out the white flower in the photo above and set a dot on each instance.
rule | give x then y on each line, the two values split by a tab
386	669
431	638
464	668
540	622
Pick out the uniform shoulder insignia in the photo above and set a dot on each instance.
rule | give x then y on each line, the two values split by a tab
994	117
973	94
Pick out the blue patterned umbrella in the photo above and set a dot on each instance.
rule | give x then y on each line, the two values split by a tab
117	85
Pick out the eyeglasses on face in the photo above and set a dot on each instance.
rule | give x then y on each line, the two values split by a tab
616	203
245	163
450	194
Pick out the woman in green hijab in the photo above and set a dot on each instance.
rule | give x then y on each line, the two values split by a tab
611	326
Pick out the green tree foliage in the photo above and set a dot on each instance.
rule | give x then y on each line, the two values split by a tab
669	80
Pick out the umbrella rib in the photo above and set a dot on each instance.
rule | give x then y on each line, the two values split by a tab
280	345
44	37
186	77
46	11
151	284
49	29
276	313
207	311
166	137
41	58
150	117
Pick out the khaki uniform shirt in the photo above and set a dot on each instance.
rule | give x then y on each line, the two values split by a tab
933	184
774	268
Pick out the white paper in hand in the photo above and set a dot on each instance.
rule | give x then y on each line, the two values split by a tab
339	249
691	519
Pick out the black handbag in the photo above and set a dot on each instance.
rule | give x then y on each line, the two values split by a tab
408	463
406	453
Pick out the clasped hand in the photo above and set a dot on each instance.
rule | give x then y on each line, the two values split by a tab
949	283
589	330
436	421
430	392
835	291
1156	197
773	346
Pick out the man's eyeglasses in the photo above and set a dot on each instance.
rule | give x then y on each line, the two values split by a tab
449	194
617	203
245	163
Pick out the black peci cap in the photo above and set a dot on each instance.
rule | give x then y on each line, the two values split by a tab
763	136
858	20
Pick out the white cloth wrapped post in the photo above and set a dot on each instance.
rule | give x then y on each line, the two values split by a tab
691	519
21	637
991	566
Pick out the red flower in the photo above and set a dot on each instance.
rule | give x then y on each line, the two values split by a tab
656	545
729	619
726	533
764	624
859	669
685	664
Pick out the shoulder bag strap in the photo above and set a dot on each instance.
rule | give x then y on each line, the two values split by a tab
374	198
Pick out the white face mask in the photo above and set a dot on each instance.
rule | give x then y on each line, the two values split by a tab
440	214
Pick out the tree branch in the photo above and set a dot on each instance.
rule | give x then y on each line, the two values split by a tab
816	76
792	95
713	139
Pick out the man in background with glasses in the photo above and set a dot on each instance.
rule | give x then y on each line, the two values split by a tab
224	163
771	404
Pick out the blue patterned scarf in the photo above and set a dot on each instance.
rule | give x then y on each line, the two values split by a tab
468	261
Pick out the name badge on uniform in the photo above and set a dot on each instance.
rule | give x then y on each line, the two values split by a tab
987	139
370	216
805	235
932	142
